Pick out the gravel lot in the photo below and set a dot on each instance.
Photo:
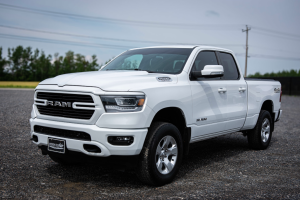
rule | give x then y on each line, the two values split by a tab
219	168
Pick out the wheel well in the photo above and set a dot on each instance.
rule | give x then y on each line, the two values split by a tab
268	105
176	117
172	115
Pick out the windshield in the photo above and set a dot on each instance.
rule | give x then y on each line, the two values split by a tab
152	60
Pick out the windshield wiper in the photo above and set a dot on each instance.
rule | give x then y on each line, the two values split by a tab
144	70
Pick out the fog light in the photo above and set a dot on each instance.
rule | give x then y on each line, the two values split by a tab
120	140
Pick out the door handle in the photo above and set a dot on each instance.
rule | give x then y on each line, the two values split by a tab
222	90
241	89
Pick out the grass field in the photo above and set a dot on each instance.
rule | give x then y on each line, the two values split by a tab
18	84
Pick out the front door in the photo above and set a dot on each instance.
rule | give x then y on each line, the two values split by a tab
209	100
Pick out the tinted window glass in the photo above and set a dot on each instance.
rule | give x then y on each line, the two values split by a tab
132	62
230	68
158	60
205	58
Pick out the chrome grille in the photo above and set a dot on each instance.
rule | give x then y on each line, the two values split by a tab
67	112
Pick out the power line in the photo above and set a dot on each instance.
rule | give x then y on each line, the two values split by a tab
274	57
277	36
36	39
84	36
143	23
272	49
105	38
269	56
85	44
208	26
115	39
129	40
276	32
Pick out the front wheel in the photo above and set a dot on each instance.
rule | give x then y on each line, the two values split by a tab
260	137
161	155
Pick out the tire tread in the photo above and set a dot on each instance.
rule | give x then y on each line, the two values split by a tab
143	170
146	170
254	135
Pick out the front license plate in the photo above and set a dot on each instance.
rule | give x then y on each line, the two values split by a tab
56	145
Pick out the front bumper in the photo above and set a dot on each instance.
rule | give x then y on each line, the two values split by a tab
98	138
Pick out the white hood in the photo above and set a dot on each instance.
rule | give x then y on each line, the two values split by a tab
110	80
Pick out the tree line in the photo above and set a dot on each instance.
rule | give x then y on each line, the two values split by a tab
26	64
284	73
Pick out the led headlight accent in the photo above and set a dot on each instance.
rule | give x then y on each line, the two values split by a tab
126	101
123	103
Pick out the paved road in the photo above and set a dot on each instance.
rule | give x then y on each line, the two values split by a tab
219	168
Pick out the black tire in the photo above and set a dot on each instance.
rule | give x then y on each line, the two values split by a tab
63	160
147	171
255	138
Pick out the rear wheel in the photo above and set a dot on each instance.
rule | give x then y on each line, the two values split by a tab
259	138
161	155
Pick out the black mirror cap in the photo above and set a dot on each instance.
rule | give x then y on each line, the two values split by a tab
198	74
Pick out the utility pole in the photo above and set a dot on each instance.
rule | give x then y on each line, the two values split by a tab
247	30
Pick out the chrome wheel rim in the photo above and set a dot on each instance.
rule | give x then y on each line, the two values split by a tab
166	154
265	130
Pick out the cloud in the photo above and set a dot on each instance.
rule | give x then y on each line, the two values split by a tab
211	13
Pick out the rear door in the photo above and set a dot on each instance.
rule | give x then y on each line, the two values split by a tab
236	92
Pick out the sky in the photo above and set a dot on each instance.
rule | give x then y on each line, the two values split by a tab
108	28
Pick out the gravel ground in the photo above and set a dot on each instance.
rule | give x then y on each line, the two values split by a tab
219	168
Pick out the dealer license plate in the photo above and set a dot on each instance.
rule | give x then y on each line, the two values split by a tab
56	145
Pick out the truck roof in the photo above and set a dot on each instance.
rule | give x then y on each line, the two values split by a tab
185	46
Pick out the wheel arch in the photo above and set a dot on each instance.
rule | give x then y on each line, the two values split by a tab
175	116
268	105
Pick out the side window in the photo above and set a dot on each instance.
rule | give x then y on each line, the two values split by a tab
230	68
205	58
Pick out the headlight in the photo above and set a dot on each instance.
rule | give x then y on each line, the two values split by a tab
123	103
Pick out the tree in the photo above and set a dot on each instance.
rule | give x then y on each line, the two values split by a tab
3	64
24	64
283	73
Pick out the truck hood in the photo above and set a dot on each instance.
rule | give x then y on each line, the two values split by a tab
110	80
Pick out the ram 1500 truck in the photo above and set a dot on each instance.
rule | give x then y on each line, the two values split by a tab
152	103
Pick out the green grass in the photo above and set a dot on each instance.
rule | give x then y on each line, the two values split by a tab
16	86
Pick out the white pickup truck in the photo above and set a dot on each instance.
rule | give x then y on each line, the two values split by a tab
152	103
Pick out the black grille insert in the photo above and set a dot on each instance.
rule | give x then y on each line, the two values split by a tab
67	112
77	135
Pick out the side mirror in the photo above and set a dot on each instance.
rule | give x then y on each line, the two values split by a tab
209	71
